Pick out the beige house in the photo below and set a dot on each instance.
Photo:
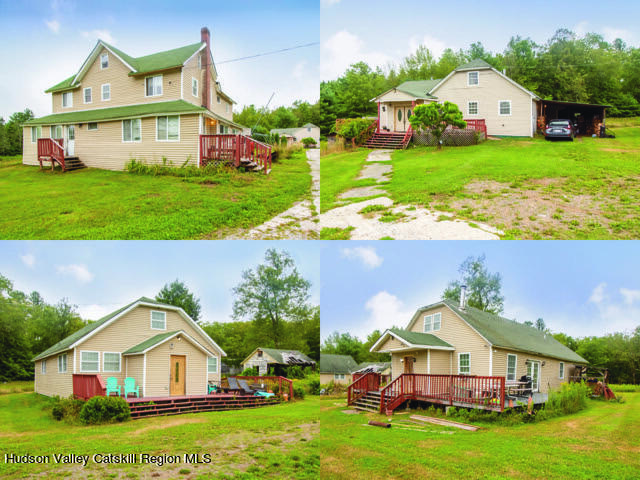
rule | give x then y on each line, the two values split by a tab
277	359
337	369
116	108
447	338
480	91
295	135
158	345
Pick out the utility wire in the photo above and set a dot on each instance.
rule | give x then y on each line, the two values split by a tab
268	53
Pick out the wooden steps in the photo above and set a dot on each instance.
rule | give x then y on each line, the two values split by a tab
386	140
73	163
369	403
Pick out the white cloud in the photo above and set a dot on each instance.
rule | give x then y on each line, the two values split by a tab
53	25
598	294
299	71
610	34
630	296
93	312
385	310
99	35
80	272
367	255
343	49
28	259
435	46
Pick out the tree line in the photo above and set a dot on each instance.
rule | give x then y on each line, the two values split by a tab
271	310
567	67
11	132
262	120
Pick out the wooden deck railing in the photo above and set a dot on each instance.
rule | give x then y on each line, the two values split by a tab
360	386
479	125
234	149
460	390
52	150
407	137
87	385
278	384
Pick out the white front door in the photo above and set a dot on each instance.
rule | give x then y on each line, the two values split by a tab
533	370
71	140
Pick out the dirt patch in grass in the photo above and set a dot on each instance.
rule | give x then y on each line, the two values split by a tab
619	150
172	423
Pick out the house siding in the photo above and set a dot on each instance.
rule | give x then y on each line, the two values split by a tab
326	378
189	70
53	383
392	344
441	362
158	364
491	89
134	366
419	366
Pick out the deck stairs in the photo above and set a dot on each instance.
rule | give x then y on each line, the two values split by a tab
390	140
369	403
73	163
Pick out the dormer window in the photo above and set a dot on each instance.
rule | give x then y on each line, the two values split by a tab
67	99
158	320
473	78
432	323
104	61
153	86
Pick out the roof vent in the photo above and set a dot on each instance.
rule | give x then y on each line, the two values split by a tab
463	297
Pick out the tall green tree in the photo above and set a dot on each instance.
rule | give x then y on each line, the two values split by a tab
436	118
177	294
484	289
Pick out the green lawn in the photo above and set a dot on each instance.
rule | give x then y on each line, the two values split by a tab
600	442
529	188
271	442
340	170
101	204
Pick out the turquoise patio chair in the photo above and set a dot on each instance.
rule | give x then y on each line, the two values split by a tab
212	388
113	387
131	387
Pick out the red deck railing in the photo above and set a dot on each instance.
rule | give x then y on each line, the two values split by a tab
87	385
361	385
407	137
281	384
460	390
479	125
52	150
236	149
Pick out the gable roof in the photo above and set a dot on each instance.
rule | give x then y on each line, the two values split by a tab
509	334
475	64
330	363
80	335
366	367
153	342
413	340
284	357
418	88
311	125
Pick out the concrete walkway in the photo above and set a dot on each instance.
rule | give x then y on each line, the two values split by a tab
402	222
296	223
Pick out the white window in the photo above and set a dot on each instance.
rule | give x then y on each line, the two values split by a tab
226	106
110	362
218	98
92	126
308	129
194	87
106	92
504	107
104	60
36	133
168	129
561	370
62	363
67	99
432	322
89	361
43	366
511	367
131	130
212	365
338	376
56	131
472	108
464	363
153	86
158	320
473	78
87	95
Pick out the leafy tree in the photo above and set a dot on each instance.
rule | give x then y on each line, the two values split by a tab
271	295
484	289
13	132
177	294
540	325
353	129
343	344
436	118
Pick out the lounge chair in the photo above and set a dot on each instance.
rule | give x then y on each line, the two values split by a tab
245	387
233	384
130	387
261	393
113	387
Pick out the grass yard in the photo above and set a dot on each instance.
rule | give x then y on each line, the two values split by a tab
338	173
271	442
602	441
101	204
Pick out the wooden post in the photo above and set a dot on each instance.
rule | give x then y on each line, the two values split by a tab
378	126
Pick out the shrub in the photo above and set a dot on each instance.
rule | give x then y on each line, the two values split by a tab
105	410
570	398
186	171
314	386
295	371
307	141
250	372
332	388
354	129
298	391
66	409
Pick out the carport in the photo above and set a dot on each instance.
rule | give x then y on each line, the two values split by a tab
588	116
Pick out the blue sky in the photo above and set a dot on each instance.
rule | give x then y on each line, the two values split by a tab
579	288
381	32
45	42
100	277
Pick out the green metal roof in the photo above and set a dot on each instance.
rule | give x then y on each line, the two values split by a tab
330	363
115	113
149	342
66	84
418	88
422	339
276	354
475	63
512	335
306	125
66	342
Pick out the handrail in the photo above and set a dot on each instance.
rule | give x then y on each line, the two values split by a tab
270	381
52	149
359	388
407	137
235	148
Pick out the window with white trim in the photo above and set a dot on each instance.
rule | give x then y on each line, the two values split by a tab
472	108
87	95
194	87
218	98
111	362
56	131
90	362
168	128
43	366
561	375
36	133
131	130
158	320
212	365
473	78
432	322
511	367
106	92
67	99
104	60
338	376
504	107
62	363
464	363
92	126
153	86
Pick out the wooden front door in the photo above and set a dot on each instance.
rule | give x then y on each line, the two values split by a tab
408	364
176	376
401	117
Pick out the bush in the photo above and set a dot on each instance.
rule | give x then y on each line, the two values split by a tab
571	398
105	410
295	371
66	409
354	129
332	388
186	171
298	391
250	372
308	141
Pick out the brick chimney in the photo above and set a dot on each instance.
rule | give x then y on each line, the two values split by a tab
205	37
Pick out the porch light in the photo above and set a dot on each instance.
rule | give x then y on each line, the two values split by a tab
179	338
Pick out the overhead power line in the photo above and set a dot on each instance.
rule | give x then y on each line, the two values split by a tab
269	53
